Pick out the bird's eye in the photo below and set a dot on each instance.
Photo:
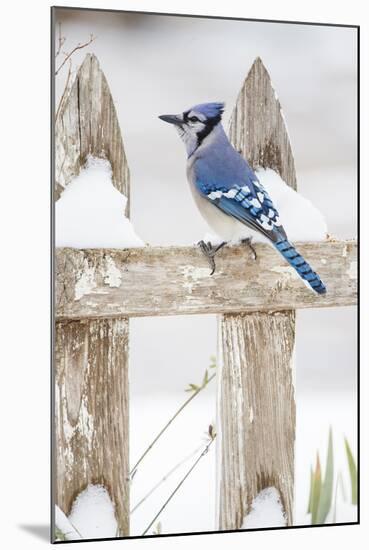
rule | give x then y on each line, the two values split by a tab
194	119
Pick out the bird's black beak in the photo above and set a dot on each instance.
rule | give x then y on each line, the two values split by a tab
172	119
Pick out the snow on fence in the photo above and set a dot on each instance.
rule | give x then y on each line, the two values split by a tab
255	301
91	355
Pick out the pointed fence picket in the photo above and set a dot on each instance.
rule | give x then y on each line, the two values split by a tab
256	408
91	355
256	396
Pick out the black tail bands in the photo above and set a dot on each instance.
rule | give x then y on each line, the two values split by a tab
290	253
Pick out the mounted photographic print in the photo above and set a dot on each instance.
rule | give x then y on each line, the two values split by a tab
205	189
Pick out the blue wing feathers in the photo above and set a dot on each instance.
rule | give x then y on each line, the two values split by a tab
229	183
235	189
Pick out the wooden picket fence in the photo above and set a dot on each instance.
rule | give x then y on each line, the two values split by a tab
255	302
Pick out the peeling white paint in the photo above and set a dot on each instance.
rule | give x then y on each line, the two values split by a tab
86	423
193	275
352	270
308	286
198	273
251	415
65	427
344	251
113	276
323	261
287	271
287	274
86	281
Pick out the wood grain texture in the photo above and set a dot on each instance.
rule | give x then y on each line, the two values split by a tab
258	451
91	361
87	124
257	412
257	127
91	407
176	280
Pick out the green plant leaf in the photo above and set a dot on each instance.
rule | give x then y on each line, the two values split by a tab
205	379
353	472
316	485
59	534
213	362
192	387
343	489
311	490
326	493
158	528
339	484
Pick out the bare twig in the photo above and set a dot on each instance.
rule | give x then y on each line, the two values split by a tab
61	41
163	479
212	436
68	57
196	390
78	47
66	89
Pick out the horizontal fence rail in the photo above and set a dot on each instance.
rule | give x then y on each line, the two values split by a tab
95	283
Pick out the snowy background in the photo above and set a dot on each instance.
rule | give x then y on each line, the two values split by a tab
156	65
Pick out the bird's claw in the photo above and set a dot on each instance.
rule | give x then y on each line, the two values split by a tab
209	251
248	243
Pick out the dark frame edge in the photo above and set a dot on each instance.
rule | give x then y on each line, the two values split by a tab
204	16
359	277
52	278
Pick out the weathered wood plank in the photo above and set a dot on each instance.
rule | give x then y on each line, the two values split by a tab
257	411
91	362
175	280
91	406
257	127
255	452
87	124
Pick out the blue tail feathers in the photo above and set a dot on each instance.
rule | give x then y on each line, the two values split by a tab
290	253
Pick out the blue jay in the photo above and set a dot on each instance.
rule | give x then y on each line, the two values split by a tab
227	191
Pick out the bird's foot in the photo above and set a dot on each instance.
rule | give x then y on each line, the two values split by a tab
209	251
248	243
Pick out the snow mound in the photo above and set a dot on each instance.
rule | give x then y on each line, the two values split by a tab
266	511
65	526
90	212
301	220
92	513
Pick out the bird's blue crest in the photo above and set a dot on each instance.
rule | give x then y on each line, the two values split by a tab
209	110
